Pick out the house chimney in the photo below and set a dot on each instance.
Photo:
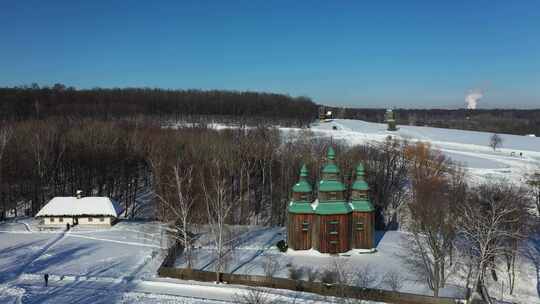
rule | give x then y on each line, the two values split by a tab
79	194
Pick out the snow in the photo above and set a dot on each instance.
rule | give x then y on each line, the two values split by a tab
255	245
468	148
116	265
72	206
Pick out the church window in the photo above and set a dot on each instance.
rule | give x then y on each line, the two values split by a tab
305	226
333	196
360	225
333	229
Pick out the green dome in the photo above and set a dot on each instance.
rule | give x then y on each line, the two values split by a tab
331	185
330	168
330	153
302	186
360	184
360	170
304	171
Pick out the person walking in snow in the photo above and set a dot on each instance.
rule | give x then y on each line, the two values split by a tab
46	277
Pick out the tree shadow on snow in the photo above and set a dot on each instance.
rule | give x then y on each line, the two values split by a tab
54	258
379	234
24	253
532	252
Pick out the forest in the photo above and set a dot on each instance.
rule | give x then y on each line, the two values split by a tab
508	121
35	102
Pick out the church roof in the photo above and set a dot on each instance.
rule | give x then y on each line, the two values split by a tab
362	206
303	185
327	208
360	184
331	185
300	207
330	153
330	168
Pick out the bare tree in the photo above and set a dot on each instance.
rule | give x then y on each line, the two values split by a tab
365	277
495	141
218	207
394	280
253	296
5	136
179	207
490	221
430	251
386	167
271	265
534	183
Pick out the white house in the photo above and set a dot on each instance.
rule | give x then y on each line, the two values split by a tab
79	210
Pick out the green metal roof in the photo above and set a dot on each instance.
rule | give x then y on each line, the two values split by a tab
327	208
302	186
360	184
331	185
330	168
304	171
363	206
360	170
330	153
300	207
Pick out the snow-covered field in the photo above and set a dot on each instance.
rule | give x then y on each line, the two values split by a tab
469	148
255	246
116	265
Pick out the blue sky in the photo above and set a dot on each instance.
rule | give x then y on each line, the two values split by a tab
384	53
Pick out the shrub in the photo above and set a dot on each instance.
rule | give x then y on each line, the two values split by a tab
312	274
282	246
296	273
271	265
329	276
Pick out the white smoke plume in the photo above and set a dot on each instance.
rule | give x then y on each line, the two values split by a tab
472	98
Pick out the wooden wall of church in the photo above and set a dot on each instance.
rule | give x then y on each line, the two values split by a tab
333	233
362	230
298	233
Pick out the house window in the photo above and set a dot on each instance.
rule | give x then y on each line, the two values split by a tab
101	219
333	227
360	225
52	219
61	220
90	219
305	226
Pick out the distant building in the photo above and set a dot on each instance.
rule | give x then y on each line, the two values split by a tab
391	120
325	115
337	220
60	211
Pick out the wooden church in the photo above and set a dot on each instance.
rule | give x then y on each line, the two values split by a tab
331	219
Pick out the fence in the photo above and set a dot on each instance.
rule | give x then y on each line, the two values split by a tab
299	285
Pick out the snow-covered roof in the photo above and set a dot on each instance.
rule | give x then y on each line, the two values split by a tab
72	206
